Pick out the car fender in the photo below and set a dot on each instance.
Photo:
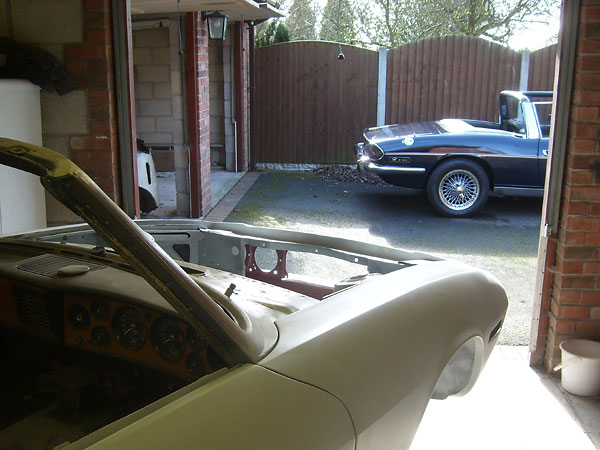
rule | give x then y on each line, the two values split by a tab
381	347
147	181
477	158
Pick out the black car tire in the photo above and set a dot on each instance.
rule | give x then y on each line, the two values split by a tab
458	188
147	202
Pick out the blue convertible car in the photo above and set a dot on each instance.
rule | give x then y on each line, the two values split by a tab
460	161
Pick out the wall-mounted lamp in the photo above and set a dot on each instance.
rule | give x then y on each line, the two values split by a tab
217	24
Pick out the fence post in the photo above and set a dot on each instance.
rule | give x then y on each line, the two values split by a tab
524	78
381	86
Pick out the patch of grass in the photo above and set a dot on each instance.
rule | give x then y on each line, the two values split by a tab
255	215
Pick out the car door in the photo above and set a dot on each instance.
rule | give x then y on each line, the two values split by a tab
514	161
517	164
543	112
543	159
248	407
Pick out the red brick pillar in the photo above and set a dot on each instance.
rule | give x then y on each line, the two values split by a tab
575	298
90	63
198	113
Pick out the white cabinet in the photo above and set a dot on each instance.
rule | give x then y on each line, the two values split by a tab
22	201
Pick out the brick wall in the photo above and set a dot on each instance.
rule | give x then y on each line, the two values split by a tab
198	101
203	117
90	63
575	262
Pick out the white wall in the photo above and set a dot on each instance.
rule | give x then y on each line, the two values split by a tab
22	202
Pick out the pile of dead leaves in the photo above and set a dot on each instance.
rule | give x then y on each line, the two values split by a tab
346	173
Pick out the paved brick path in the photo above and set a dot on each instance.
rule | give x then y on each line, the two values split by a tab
220	212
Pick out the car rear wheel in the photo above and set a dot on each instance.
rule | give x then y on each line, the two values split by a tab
458	188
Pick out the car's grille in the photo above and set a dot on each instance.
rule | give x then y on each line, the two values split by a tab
49	265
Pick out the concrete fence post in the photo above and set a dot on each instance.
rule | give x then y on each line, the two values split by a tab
381	86
524	78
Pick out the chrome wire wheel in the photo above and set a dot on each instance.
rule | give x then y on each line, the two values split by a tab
459	189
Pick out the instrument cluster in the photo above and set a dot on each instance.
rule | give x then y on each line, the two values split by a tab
137	333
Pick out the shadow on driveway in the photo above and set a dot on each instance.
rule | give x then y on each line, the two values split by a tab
503	239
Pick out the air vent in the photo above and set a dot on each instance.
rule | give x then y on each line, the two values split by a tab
34	311
49	265
495	331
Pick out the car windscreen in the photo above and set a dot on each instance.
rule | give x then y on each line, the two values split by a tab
544	114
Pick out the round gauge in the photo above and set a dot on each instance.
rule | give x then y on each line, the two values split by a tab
129	328
168	339
78	317
196	341
195	364
101	336
100	310
214	359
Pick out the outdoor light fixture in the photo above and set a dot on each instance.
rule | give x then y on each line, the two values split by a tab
217	24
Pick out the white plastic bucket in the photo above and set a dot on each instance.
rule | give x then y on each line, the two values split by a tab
580	367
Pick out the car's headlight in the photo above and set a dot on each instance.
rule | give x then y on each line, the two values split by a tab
373	152
358	149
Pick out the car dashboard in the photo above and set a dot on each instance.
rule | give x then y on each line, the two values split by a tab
86	341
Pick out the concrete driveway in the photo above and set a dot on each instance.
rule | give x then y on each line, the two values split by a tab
503	239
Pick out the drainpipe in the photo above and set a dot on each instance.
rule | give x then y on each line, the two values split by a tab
252	99
238	48
232	65
235	146
191	26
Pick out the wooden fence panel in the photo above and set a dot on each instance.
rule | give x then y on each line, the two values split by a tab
312	107
541	69
463	74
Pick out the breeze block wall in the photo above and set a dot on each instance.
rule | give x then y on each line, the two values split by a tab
575	292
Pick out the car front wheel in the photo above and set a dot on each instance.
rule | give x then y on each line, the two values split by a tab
458	188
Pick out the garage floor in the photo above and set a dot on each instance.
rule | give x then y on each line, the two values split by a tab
221	183
512	406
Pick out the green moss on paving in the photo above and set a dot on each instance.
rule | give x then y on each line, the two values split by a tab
255	215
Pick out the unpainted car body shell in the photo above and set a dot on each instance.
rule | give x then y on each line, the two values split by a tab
351	369
360	365
147	181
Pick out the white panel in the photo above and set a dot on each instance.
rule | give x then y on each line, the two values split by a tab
22	201
159	6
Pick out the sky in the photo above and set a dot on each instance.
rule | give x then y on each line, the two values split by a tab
532	37
536	36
